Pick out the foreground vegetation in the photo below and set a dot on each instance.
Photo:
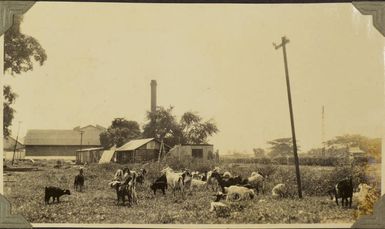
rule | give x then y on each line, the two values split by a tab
98	203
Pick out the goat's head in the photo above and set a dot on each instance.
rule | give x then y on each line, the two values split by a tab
218	196
332	193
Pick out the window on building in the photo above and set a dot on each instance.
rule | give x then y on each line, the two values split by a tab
197	153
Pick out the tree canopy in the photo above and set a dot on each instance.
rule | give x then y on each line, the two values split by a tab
195	130
120	132
281	147
20	52
191	129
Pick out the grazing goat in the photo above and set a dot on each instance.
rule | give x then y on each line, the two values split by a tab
236	193
255	181
79	181
344	190
227	182
160	183
280	190
174	180
55	193
198	184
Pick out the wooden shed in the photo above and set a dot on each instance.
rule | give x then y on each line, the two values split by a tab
89	155
139	150
200	151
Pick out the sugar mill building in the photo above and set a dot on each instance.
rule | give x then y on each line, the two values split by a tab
59	143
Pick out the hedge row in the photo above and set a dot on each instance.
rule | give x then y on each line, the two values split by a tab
319	161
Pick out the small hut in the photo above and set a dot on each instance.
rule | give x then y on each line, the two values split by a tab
139	150
200	151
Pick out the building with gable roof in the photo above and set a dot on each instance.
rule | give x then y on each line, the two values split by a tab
61	143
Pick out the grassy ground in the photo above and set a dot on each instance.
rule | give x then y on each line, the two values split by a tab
98	203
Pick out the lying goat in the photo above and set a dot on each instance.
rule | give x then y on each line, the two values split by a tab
237	193
280	190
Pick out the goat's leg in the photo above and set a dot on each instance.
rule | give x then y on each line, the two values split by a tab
350	201
336	200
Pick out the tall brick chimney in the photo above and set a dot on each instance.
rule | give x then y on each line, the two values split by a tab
153	95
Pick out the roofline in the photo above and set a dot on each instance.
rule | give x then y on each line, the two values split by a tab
60	145
142	144
90	149
197	144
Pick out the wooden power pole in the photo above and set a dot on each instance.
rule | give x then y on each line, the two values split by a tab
17	138
283	45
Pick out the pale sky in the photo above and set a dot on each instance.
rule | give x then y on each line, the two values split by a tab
217	60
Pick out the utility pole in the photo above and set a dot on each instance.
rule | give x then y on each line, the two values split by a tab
323	131
81	139
283	45
17	137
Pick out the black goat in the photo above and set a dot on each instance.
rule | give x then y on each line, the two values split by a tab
55	193
343	190
160	183
227	182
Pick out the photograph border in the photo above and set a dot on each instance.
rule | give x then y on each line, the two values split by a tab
376	9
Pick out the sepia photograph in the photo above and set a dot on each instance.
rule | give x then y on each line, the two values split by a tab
213	114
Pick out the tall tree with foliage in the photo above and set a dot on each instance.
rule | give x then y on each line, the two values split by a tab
162	125
281	147
195	130
191	129
20	53
120	132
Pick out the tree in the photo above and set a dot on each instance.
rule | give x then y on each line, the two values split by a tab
8	111
259	152
281	147
191	129
120	132
19	52
194	130
162	125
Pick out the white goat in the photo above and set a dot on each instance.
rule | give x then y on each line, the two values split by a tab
256	181
236	193
227	174
198	184
279	190
118	175
174	180
218	206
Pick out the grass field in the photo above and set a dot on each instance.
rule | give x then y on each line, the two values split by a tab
98	203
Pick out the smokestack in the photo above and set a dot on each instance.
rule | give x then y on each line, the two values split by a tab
153	95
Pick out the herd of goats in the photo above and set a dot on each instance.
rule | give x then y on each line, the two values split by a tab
231	188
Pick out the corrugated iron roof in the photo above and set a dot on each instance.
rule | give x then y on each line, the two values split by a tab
134	144
62	137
